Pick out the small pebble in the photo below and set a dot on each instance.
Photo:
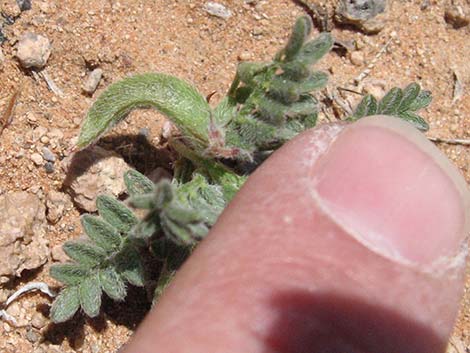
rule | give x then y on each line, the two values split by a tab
32	336
244	56
47	154
457	16
144	132
357	58
49	167
92	81
2	58
33	50
58	254
24	5
37	159
217	10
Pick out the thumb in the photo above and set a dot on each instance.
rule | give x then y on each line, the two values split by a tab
348	239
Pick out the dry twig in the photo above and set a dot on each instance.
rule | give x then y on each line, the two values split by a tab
369	67
7	115
462	142
51	84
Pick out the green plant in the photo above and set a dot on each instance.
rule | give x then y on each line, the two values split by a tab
267	104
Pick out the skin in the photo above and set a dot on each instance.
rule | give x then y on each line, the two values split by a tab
349	239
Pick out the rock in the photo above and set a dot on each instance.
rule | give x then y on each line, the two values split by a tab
32	336
33	50
37	159
39	132
49	167
47	154
56	203
24	5
357	58
58	254
92	81
168	129
38	320
93	172
367	15
23	245
244	56
217	10
458	15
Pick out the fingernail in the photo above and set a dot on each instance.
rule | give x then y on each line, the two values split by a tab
395	192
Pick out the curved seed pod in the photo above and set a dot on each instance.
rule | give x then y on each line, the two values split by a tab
314	50
284	90
317	80
246	71
299	34
295	70
173	97
271	111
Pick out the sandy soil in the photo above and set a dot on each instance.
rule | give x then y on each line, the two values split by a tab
178	37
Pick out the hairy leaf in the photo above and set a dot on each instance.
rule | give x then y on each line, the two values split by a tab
423	99
115	213
69	273
137	183
112	284
90	295
415	119
368	106
390	103
129	265
65	305
410	93
175	98
102	233
84	253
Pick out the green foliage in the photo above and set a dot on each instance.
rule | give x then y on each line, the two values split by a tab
402	103
267	104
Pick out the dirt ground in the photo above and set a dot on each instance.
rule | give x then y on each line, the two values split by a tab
178	37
